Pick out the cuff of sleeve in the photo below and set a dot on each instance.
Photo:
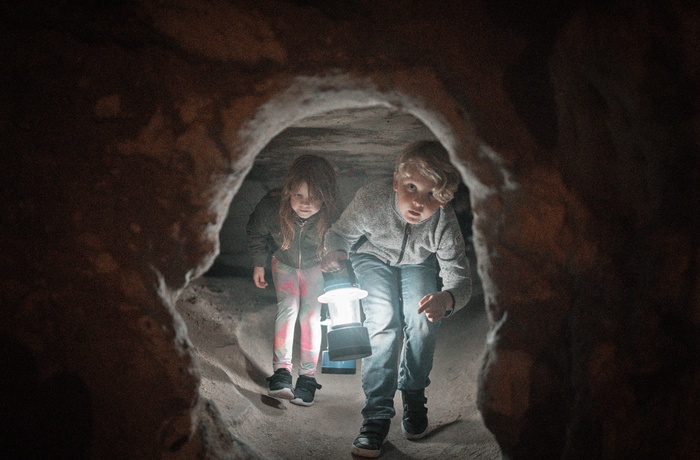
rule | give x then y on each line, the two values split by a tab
449	311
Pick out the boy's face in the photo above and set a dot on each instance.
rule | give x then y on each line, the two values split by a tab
415	197
302	204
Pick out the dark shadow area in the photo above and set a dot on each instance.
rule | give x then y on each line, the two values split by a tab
41	419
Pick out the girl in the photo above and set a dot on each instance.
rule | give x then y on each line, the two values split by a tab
290	224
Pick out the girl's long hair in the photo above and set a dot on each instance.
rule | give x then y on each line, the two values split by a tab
320	178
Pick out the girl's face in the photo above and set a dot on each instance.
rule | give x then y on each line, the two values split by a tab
304	206
415	197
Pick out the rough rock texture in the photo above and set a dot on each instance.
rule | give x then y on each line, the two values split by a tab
127	128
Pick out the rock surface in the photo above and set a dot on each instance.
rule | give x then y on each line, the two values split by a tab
128	128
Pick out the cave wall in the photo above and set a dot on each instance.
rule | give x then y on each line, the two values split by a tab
128	128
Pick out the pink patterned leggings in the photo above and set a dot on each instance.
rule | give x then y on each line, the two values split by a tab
297	297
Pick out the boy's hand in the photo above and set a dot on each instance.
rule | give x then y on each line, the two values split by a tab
259	277
435	305
330	261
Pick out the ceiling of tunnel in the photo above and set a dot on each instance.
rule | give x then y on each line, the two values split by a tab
360	142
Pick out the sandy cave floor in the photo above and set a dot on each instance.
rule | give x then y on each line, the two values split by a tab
230	323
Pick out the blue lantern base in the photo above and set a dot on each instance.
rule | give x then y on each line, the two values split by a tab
336	367
348	341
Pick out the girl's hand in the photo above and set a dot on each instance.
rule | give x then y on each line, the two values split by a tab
330	261
259	277
435	305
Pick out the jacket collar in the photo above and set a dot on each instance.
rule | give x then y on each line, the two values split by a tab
299	221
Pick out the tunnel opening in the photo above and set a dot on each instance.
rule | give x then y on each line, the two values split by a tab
362	143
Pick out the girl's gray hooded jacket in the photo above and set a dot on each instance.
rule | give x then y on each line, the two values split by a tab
265	236
373	217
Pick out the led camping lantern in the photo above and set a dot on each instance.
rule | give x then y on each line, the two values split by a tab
347	338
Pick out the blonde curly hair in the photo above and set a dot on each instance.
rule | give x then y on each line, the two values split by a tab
430	160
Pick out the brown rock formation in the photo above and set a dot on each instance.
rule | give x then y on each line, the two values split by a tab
127	128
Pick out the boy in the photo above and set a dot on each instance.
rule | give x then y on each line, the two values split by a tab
400	236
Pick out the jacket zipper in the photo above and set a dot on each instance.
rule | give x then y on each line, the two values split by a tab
301	230
406	234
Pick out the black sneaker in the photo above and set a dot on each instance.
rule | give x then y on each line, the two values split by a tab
415	414
368	443
280	384
305	390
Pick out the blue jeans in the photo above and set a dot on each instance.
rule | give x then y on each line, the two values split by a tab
395	329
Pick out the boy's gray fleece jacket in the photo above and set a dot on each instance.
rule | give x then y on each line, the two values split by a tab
374	214
265	236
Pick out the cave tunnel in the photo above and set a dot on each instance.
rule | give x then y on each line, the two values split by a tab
129	130
362	144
